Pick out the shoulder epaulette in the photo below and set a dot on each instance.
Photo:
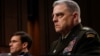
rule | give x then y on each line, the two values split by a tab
89	33
86	28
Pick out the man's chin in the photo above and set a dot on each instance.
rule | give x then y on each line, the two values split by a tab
58	31
11	52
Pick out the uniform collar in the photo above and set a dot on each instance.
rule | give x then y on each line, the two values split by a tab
64	37
74	31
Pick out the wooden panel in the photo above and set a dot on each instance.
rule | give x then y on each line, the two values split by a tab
14	18
10	13
33	30
4	49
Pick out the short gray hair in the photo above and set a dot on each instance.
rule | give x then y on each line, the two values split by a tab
72	5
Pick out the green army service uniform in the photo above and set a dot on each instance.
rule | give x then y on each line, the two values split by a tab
80	41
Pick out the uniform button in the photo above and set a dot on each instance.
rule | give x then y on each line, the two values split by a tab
54	51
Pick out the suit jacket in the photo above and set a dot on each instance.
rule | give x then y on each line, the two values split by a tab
87	42
25	54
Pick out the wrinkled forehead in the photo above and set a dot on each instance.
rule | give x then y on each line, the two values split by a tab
60	8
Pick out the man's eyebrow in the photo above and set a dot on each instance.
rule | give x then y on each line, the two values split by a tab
13	41
58	13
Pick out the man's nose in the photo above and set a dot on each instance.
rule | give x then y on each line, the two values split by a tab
55	19
10	44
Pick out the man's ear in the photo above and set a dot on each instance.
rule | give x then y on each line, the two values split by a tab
75	16
25	44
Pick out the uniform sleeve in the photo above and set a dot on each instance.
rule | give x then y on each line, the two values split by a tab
52	46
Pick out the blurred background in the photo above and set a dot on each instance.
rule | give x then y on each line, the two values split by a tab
35	18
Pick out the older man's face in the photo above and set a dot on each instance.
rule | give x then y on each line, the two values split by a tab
62	18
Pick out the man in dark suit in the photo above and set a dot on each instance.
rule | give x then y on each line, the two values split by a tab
20	44
76	39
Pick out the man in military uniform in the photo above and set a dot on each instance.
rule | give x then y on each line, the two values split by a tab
20	44
75	39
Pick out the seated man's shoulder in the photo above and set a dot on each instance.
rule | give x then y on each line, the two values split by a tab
90	33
